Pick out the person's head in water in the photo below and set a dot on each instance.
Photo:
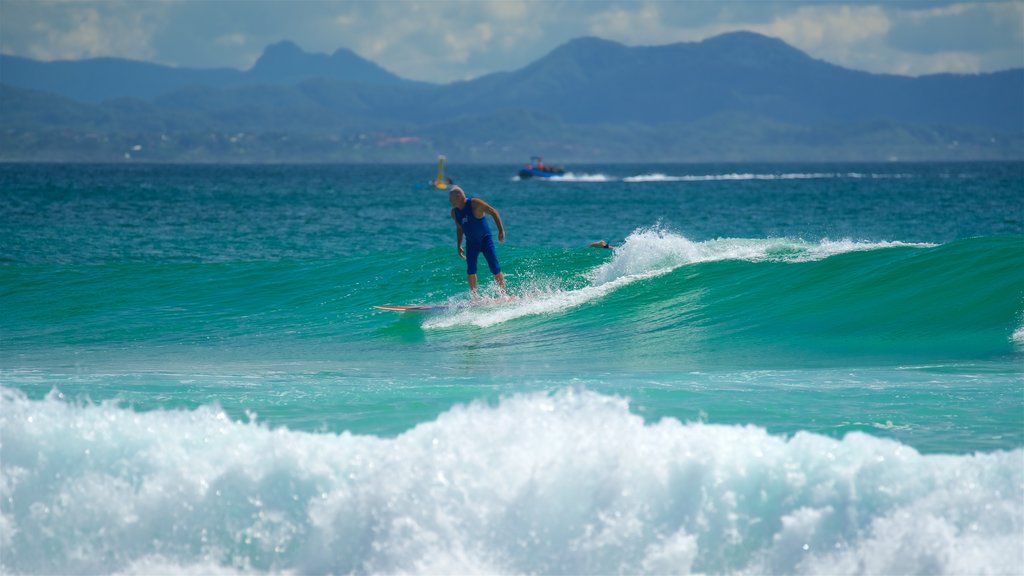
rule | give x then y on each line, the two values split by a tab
457	197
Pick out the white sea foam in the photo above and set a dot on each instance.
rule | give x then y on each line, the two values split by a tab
727	177
573	177
648	253
736	176
656	177
570	482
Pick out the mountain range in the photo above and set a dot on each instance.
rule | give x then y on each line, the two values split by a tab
735	97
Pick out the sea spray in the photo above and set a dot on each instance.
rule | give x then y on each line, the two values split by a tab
569	482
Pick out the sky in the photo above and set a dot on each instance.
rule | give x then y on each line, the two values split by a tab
445	40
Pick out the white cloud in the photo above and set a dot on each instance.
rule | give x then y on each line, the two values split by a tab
917	65
346	21
835	29
960	37
507	10
652	23
850	36
923	15
641	24
411	45
515	23
87	30
949	38
460	44
231	40
444	40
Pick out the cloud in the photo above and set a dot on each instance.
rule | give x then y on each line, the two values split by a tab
407	38
459	45
232	40
443	40
632	23
898	38
829	29
958	38
649	23
850	36
70	31
959	28
909	39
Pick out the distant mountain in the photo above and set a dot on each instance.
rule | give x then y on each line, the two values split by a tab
597	81
286	63
733	97
97	79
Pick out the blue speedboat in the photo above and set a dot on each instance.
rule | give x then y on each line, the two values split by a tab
538	169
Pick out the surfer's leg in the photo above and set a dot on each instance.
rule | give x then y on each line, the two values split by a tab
491	255
472	255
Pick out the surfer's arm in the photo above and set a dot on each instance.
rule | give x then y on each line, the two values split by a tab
488	209
458	235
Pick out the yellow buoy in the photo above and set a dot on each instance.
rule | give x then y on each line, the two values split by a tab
440	182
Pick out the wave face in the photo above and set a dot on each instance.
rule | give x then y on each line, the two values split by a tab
742	295
570	482
661	302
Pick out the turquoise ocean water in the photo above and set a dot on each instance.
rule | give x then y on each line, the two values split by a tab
782	369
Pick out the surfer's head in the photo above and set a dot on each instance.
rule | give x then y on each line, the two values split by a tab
457	197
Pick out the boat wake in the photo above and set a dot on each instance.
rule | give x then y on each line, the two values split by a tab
657	177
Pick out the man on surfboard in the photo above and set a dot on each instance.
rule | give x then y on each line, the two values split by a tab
470	221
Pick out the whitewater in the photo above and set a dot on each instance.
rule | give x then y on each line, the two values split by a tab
564	483
645	253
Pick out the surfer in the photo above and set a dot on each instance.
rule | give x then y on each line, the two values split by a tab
470	221
602	244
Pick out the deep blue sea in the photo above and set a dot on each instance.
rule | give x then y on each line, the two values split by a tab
781	369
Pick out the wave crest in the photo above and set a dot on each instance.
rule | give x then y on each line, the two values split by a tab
648	253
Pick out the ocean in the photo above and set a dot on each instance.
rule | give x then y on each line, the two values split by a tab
780	369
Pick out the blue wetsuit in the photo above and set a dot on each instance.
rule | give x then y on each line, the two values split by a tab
478	239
